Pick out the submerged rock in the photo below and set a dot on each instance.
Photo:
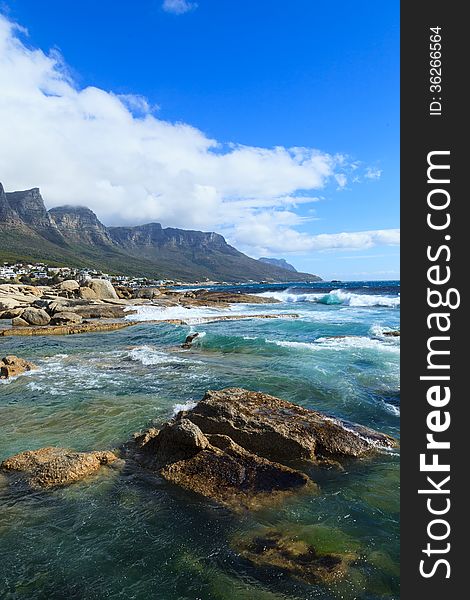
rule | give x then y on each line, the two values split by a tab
279	430
216	467
272	549
11	366
52	467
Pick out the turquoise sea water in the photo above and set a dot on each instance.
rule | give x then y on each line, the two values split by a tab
123	534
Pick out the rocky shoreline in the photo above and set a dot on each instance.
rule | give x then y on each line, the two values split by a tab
70	308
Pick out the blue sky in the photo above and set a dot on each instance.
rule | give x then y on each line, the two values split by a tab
317	75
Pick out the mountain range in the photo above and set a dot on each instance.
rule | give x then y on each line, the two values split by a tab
74	236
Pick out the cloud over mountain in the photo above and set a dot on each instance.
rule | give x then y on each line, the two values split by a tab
112	153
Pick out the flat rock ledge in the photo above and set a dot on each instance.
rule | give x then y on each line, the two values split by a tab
66	329
55	467
12	366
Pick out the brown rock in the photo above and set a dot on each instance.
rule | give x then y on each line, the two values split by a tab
51	467
280	430
11	313
69	285
87	293
19	322
84	327
102	288
100	311
216	468
124	292
148	293
35	316
11	366
271	549
66	318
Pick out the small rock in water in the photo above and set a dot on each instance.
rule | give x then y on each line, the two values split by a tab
11	366
188	342
52	467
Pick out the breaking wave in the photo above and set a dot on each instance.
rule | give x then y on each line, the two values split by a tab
339	297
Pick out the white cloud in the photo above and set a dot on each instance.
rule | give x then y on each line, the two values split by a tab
109	152
273	232
341	179
373	173
178	7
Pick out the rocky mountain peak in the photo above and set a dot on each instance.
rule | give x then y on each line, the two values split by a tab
279	262
80	224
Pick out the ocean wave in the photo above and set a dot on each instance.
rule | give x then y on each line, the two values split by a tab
341	343
336	297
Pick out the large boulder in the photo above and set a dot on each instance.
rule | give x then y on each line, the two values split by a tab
35	316
215	467
87	293
51	467
66	317
280	430
69	285
103	289
11	366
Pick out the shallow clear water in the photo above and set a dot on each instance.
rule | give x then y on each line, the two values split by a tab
129	535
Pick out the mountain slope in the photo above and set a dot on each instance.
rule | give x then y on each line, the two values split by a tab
279	262
74	236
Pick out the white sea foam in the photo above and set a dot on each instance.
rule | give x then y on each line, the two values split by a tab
183	406
372	442
150	312
392	409
150	356
335	297
380	331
